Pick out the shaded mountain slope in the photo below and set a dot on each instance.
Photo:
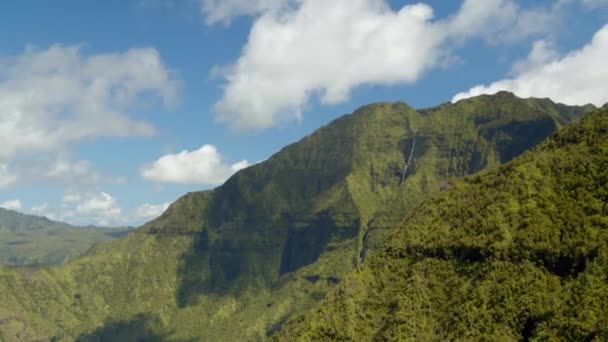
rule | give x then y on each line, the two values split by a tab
27	239
237	262
520	253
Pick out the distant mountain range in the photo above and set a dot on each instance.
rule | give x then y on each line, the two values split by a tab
387	224
28	239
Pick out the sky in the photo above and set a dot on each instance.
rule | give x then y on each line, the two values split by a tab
111	110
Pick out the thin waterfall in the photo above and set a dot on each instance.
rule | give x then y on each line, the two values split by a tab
409	161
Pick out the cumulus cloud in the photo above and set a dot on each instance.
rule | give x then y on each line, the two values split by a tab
94	207
101	207
79	172
14	204
328	48
52	97
575	78
149	211
84	208
202	166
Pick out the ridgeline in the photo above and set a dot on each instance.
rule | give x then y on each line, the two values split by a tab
312	222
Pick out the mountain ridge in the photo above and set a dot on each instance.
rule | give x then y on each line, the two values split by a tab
516	253
30	239
240	260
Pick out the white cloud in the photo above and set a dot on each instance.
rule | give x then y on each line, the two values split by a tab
71	198
44	209
52	169
239	166
95	207
6	177
542	53
578	77
14	204
64	168
504	21
202	166
328	48
216	11
51	97
149	211
79	172
100	207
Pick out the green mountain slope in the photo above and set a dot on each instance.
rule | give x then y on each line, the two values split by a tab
520	253
237	262
27	239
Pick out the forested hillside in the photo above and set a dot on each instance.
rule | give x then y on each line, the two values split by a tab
237	262
520	253
27	239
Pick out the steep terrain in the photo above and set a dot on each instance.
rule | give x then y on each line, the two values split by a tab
27	239
237	262
520	253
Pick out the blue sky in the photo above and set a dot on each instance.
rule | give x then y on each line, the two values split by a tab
110	110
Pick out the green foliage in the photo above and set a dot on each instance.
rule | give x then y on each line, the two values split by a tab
140	328
27	240
520	253
238	262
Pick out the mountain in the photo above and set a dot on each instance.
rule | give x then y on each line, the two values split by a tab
237	262
519	253
27	239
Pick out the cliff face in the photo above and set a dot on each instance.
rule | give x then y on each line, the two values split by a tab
519	253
